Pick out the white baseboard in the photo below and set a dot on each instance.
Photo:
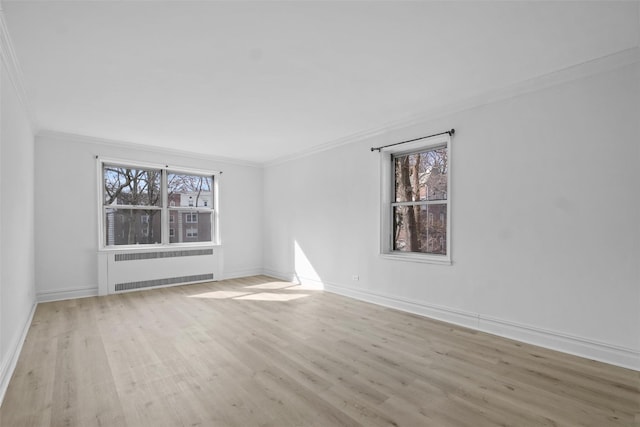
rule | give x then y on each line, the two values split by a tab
70	293
243	273
288	277
92	291
304	282
578	346
458	317
9	365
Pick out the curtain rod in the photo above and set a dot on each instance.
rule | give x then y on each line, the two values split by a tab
450	132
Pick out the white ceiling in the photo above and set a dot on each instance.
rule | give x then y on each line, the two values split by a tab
260	80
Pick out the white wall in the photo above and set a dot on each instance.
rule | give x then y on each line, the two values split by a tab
545	220
66	205
17	294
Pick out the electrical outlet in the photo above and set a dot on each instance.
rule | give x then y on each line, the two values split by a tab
355	277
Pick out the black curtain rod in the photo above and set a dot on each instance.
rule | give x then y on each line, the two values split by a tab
450	132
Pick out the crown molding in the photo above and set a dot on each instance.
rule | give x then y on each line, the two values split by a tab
11	64
86	139
590	68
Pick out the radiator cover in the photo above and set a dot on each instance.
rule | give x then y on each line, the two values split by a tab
121	271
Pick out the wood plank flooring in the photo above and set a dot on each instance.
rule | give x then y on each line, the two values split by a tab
259	352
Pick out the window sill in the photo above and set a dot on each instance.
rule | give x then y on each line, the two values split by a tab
159	247
413	257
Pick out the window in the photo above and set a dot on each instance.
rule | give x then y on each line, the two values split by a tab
188	191
415	201
133	195
139	202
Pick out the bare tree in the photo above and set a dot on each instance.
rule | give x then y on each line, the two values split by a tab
179	184
135	188
407	193
420	177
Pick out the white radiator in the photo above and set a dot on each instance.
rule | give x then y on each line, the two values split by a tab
142	269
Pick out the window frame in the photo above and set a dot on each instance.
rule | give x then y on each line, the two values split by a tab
164	207
387	187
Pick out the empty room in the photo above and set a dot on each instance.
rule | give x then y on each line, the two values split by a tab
319	213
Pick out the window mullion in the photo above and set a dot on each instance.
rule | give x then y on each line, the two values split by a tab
165	214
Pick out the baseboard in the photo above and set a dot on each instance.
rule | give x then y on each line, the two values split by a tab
63	294
243	273
286	276
304	282
7	368
92	291
578	346
309	283
445	314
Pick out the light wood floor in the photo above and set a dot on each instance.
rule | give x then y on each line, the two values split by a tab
258	352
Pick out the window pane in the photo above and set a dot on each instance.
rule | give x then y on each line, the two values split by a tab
189	226
132	226
420	228
128	186
421	176
190	190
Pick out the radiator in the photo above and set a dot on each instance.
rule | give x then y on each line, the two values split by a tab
142	269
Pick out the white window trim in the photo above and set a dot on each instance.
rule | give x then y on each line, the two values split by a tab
386	195
214	208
